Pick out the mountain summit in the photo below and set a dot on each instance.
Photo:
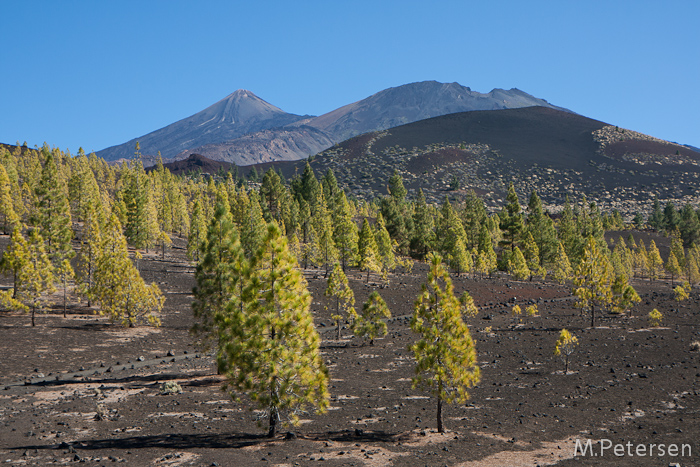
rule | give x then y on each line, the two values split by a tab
238	114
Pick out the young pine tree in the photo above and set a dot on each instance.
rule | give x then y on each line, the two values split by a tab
517	265
118	288
655	263
562	267
345	233
445	353
566	345
592	279
367	250
34	278
8	217
385	247
271	350
52	214
672	267
340	292
370	323
221	267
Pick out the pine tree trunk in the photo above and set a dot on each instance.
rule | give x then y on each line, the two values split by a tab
272	431
440	427
33	323
592	316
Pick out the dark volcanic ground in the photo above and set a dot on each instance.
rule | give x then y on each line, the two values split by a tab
628	383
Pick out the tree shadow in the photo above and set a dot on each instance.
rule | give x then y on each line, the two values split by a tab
216	441
135	381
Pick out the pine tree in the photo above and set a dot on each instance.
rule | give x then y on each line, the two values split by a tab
385	247
445	353
656	219
367	250
562	266
641	258
370	323
531	252
592	279
345	233
623	294
52	215
253	228
324	243
339	290
655	318
692	268
198	231
271	195
218	273
655	263
469	308
460	259
566	345
118	287
271	350
136	202
423	234
517	266
541	227
15	257
511	219
34	278
90	249
65	274
473	217
672	267
8	216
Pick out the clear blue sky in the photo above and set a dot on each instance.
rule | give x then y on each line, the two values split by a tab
98	73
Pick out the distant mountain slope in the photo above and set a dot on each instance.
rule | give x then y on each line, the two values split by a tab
413	102
236	115
279	144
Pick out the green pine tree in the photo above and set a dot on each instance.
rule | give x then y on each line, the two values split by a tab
446	363
271	350
370	324
367	250
52	215
339	291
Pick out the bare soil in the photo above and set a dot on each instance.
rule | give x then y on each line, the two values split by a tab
80	389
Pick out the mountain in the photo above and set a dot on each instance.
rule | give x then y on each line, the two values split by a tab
244	129
236	115
554	152
413	102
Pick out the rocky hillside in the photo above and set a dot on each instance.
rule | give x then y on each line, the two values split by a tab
554	152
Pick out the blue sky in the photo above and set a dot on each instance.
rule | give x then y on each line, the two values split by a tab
96	74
